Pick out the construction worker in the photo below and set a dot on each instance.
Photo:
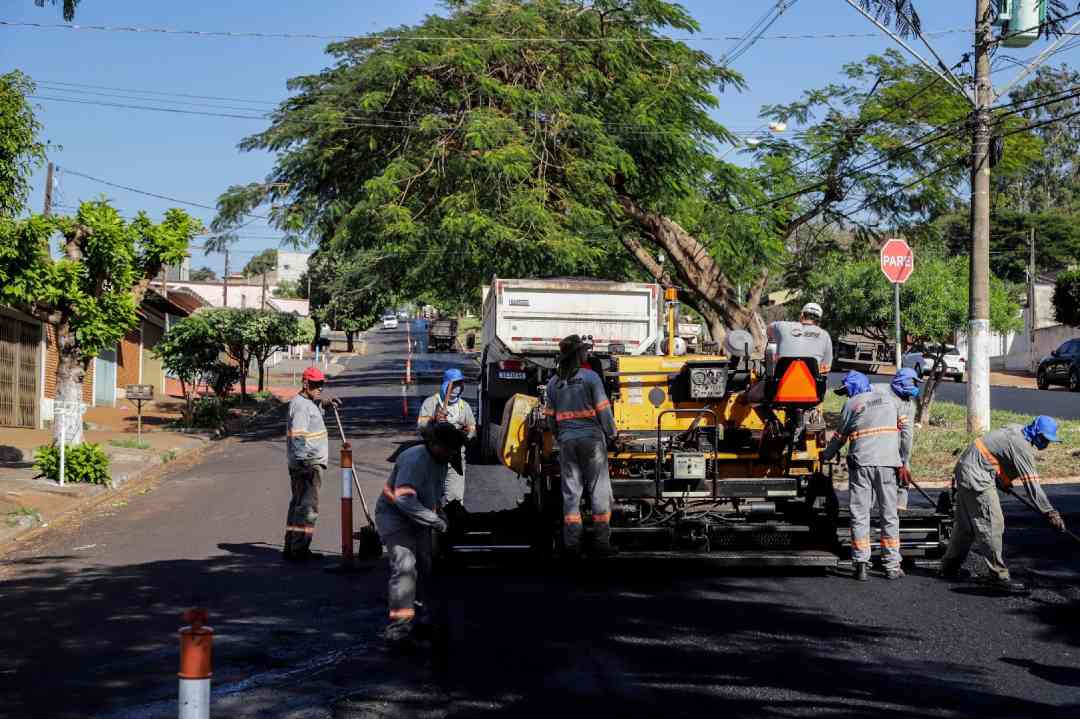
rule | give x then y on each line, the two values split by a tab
904	389
804	338
996	460
446	405
871	421
579	416
406	513
308	451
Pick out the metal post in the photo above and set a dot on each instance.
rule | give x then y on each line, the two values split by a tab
896	309
63	441
1032	358
978	388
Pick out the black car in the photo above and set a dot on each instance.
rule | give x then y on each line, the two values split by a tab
1062	367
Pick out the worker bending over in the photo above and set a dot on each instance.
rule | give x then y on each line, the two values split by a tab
405	515
447	405
996	460
871	422
579	416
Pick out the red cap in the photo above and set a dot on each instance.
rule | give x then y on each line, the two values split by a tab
314	374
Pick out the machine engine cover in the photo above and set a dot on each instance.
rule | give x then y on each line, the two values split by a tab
699	381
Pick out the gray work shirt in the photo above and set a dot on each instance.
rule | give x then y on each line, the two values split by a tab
1000	458
794	339
578	408
458	413
905	409
411	492
306	440
871	422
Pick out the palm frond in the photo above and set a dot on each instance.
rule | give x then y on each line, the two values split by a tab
897	14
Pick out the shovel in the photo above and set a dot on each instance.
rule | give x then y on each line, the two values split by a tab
1038	511
369	544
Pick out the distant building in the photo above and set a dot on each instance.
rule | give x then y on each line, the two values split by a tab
291	265
179	273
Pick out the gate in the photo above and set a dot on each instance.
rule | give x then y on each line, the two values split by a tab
20	344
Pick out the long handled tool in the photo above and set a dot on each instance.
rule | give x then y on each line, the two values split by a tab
370	544
1033	508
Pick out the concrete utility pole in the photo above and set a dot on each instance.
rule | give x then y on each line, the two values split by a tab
264	290
48	191
1032	359
978	363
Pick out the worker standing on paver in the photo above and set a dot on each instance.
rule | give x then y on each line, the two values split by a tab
579	416
804	338
871	421
406	514
308	453
904	390
996	460
447	405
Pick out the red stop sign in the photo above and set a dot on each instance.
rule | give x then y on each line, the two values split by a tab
897	261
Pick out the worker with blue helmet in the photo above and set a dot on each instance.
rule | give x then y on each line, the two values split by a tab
447	405
995	461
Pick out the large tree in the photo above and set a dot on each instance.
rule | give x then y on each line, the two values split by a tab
262	263
90	294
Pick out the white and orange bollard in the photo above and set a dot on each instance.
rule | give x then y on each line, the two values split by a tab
346	505
196	642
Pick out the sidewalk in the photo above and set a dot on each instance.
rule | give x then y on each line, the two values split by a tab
26	502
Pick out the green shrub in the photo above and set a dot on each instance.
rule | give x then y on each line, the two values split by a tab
222	378
129	443
263	396
209	412
86	462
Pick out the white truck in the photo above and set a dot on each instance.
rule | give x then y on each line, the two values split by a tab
524	319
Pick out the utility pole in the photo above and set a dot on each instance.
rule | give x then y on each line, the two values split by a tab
264	290
978	361
48	191
1032	318
225	280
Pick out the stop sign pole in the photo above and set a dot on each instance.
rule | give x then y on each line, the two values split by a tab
897	262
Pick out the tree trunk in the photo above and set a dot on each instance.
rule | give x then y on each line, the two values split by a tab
262	374
70	373
926	397
349	335
716	298
189	399
244	362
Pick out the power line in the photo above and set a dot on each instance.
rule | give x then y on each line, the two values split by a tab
454	38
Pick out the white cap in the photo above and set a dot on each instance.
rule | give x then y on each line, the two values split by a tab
813	309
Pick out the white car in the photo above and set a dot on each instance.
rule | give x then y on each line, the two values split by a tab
389	322
922	361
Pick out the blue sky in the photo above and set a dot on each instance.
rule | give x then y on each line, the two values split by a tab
194	158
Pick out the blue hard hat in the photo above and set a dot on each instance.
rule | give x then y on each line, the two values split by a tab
453	375
856	383
1044	426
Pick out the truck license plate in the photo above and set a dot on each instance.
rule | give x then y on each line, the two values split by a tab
511	375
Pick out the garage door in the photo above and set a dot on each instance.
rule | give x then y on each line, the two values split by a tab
20	343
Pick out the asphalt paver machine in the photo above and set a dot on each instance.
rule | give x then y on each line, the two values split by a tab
719	458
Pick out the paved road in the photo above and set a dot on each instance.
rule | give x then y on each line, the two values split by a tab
89	613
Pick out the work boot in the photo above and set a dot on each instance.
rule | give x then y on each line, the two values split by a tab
949	570
862	571
892	574
1004	585
572	553
304	555
603	551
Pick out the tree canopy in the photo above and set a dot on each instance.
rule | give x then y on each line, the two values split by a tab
203	274
1066	299
69	7
20	149
262	263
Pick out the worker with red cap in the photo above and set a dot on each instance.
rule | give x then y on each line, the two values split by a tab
308	453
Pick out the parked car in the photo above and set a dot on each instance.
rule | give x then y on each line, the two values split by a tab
922	361
402	315
1062	367
389	322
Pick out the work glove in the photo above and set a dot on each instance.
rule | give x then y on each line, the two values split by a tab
329	401
1054	517
903	476
441	414
440	525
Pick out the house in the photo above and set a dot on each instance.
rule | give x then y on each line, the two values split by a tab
29	358
242	292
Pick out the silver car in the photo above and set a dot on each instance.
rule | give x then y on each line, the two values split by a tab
922	361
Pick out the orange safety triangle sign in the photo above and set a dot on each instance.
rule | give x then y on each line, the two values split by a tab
797	385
